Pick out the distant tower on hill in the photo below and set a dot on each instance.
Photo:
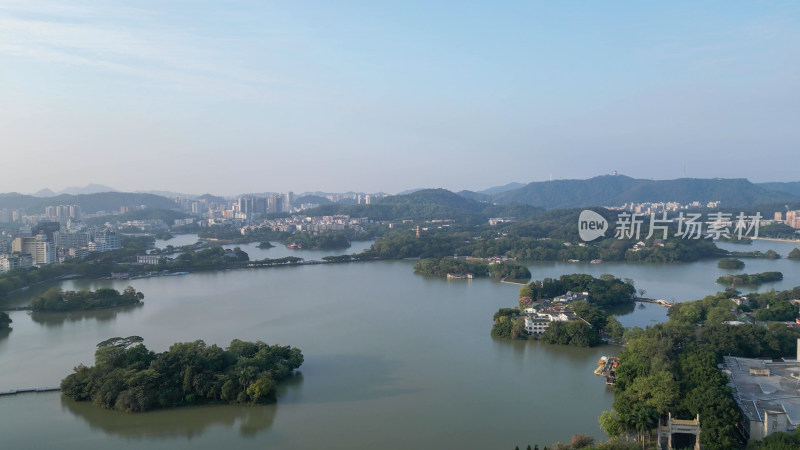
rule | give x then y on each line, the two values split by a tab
417	231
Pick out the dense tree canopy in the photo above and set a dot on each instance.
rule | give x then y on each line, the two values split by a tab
55	299
744	279
440	267
129	377
730	264
672	367
5	321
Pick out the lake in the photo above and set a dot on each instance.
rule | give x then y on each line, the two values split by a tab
392	359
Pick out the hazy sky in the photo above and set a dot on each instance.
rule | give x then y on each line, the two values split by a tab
229	97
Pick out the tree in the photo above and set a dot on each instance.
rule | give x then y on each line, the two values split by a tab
645	418
581	441
611	423
719	314
794	254
518	329
526	291
614	329
659	391
5	320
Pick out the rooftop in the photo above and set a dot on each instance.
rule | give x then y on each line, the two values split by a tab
765	385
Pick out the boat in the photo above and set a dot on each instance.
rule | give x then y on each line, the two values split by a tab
596	261
295	246
573	260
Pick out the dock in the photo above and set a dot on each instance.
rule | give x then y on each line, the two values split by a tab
606	368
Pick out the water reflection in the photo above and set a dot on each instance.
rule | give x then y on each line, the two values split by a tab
5	332
57	319
621	310
352	378
188	423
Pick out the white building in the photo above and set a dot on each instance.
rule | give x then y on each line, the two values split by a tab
149	259
13	262
536	323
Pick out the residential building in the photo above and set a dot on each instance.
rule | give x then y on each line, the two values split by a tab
105	240
72	240
15	261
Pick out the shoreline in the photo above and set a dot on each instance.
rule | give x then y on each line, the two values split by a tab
792	241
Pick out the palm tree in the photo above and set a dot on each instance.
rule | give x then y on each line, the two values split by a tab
645	418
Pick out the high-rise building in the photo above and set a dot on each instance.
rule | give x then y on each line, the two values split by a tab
251	205
778	216
287	201
61	213
41	250
793	219
274	203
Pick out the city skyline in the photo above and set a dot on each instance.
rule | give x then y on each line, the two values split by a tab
198	97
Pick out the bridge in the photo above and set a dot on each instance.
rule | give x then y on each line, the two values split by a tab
25	391
657	301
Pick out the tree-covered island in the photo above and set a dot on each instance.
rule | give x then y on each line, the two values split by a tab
129	377
458	268
744	279
320	241
57	300
570	310
730	264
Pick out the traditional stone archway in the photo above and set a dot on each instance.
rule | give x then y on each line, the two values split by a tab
674	426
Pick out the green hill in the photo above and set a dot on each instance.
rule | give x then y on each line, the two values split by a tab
791	188
609	190
427	204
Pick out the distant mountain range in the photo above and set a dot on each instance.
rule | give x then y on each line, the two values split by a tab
89	203
93	188
607	190
615	190
90	188
503	188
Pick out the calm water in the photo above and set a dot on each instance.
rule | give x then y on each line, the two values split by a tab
393	359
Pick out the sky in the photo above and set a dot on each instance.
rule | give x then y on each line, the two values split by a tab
252	96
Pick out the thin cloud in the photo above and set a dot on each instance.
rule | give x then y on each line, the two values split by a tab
139	48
